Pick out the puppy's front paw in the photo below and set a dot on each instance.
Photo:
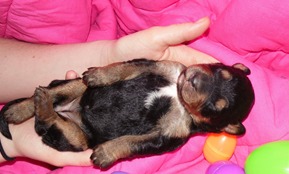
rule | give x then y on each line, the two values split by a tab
102	157
94	77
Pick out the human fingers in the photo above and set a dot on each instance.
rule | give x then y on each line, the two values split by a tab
153	42
187	55
69	158
180	33
25	137
71	75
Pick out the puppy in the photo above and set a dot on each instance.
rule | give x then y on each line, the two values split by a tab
139	107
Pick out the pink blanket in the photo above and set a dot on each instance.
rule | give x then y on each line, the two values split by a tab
252	32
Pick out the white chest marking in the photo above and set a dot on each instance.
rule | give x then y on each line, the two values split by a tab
170	91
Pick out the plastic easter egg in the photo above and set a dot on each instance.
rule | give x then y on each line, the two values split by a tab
225	167
119	172
271	158
219	147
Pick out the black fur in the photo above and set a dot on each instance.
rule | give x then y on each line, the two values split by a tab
53	136
159	145
116	110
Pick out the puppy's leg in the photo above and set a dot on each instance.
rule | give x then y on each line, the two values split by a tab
65	91
15	112
60	133
100	76
18	111
109	152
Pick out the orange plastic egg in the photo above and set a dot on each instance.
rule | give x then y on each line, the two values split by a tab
219	147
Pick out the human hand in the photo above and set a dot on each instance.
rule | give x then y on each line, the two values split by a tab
164	43
71	74
26	143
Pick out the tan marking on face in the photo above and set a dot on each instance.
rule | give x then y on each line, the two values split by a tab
221	104
226	74
198	119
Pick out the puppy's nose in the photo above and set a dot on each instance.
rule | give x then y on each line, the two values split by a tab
196	80
201	82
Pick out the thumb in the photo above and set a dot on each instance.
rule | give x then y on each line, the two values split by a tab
71	75
180	33
71	158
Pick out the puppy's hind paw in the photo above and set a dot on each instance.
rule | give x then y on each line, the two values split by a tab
43	103
101	158
15	112
40	95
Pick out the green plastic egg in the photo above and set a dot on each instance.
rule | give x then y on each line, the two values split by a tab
271	158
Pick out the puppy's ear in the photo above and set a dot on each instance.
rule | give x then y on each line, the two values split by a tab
242	67
235	129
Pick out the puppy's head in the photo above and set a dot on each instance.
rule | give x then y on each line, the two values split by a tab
219	97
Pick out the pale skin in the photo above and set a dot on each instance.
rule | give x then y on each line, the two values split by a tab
25	66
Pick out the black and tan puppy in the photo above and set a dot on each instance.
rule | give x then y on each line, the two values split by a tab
137	107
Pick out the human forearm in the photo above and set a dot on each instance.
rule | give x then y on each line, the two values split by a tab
7	148
25	66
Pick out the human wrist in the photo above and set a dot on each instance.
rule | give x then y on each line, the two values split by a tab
125	48
8	149
104	53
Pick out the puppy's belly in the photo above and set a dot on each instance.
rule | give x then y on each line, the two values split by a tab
70	111
121	109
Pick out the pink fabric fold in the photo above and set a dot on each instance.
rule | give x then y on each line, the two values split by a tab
251	32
